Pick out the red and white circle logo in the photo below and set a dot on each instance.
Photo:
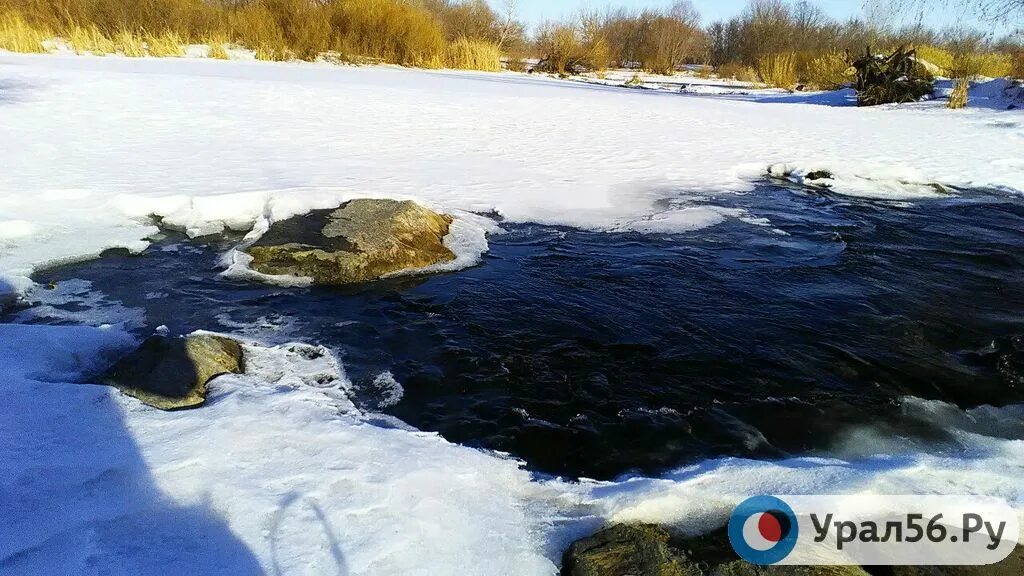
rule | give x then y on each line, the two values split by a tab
763	530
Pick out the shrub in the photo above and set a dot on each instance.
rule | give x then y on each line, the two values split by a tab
466	54
399	32
826	72
958	98
778	70
1017	65
940	58
561	48
466	19
410	32
594	52
256	28
668	41
303	29
737	71
985	64
17	35
515	63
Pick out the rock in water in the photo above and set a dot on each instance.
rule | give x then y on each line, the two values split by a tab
172	373
360	241
634	549
649	550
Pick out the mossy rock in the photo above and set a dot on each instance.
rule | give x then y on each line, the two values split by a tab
714	554
626	549
1012	565
173	373
362	240
741	568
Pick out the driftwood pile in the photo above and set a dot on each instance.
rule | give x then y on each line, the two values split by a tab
892	79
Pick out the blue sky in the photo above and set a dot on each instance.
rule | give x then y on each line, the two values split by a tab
534	11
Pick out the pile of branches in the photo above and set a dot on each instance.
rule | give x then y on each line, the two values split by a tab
892	79
564	66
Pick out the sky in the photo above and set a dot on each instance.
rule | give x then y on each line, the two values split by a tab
535	11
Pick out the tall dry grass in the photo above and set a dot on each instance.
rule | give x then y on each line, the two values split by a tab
255	27
127	43
967	64
958	98
395	31
1017	65
778	70
468	54
939	57
164	45
988	64
826	72
89	40
17	35
217	48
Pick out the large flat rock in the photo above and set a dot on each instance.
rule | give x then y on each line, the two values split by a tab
362	240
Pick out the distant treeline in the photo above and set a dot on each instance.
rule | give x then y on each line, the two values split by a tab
771	41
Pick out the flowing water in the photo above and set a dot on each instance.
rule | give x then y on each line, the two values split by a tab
594	353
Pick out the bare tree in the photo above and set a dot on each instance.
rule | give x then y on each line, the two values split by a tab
1010	12
684	11
510	26
808	17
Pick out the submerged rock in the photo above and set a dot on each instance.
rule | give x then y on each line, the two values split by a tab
172	373
360	241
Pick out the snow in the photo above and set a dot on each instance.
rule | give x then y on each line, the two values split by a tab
280	473
994	93
389	389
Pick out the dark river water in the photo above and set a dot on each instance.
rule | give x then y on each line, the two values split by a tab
594	354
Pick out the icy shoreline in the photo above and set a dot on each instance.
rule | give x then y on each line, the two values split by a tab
281	471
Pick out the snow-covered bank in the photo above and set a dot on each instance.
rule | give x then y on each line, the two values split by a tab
280	473
91	146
